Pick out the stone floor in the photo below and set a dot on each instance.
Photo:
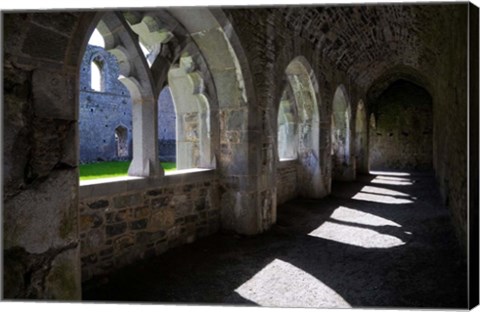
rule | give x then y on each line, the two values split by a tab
383	241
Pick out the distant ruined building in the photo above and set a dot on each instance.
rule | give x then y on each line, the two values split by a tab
105	122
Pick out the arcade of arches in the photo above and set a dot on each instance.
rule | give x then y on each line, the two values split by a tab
354	117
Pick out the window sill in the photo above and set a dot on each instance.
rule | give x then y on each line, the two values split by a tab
111	186
287	159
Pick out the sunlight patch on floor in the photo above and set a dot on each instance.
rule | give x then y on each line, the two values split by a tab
357	235
382	191
281	284
391	173
355	216
392	181
384	199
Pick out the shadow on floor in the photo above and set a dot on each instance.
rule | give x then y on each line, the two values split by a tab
356	253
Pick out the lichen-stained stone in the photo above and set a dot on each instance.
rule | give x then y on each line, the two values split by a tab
160	202
94	240
123	242
162	219
43	217
90	221
63	280
131	200
51	91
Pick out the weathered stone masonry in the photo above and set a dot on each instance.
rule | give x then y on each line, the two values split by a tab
57	234
119	226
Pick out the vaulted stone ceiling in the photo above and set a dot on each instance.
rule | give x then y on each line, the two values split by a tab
363	40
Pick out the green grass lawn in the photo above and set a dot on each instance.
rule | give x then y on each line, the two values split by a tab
110	169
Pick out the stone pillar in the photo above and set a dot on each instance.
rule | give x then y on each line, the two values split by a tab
145	162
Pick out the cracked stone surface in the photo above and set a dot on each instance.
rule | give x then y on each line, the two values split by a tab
382	241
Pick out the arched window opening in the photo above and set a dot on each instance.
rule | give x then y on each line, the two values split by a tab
361	138
105	118
121	140
287	126
97	79
167	134
96	39
298	132
372	121
192	115
342	163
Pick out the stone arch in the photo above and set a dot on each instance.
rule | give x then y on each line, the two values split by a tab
97	73
230	97
135	75
121	141
192	115
167	134
287	120
361	139
303	85
101	111
403	138
397	72
343	166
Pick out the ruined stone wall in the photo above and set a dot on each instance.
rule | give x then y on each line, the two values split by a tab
287	182
450	118
101	112
118	227
402	137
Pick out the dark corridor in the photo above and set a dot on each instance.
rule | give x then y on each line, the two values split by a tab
382	241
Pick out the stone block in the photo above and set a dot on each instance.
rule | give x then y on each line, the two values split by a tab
102	203
240	212
115	229
140	212
162	219
52	91
89	221
129	201
36	220
63	281
94	239
46	44
106	253
148	237
117	216
160	203
138	224
60	22
123	242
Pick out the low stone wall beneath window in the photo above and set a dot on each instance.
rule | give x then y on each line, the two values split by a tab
287	181
134	221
